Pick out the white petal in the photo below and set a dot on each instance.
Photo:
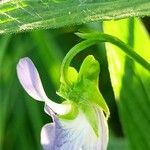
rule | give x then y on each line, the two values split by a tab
30	80
103	131
93	142
69	134
77	134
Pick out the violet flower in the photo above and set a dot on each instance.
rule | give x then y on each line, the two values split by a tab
78	123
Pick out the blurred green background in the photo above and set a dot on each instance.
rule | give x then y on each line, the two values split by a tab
21	118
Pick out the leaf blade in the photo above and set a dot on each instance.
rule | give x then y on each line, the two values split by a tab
17	16
130	81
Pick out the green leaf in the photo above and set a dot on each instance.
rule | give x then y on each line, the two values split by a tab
24	15
130	81
117	143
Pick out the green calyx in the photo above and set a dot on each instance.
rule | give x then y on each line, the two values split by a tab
83	92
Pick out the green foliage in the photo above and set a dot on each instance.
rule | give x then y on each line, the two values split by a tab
21	118
130	81
24	15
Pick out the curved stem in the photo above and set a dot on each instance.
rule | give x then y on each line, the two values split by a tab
102	37
70	55
126	49
93	38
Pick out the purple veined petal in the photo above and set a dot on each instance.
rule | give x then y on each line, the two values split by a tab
31	82
78	134
93	142
65	134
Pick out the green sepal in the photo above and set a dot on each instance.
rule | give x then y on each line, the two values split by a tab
91	116
65	90
89	69
88	76
72	75
83	92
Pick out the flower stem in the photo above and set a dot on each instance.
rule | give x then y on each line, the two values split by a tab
126	49
70	55
93	38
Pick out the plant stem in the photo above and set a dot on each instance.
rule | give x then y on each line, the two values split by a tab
93	38
126	49
70	55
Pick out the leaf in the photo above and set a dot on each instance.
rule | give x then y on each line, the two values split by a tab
130	81
24	15
117	143
4	43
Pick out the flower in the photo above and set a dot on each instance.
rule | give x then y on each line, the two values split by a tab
78	123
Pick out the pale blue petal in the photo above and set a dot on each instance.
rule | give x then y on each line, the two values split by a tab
69	134
77	134
30	79
56	137
31	82
48	136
